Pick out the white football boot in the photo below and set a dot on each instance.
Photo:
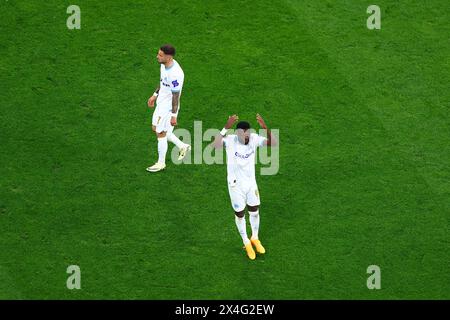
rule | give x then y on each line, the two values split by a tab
156	167
183	151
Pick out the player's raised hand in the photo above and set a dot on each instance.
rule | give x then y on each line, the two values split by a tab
151	101
231	120
261	121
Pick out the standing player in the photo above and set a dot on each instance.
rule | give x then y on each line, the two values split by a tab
242	187
167	97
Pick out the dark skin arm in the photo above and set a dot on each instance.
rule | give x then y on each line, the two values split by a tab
271	141
218	140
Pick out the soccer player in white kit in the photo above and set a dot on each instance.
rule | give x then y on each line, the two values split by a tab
167	98
241	149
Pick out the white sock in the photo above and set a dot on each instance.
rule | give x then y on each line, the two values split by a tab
240	224
173	138
254	222
162	150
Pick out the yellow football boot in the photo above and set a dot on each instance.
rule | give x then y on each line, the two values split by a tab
259	248
250	252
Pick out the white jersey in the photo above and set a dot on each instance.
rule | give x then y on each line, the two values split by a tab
171	80
241	158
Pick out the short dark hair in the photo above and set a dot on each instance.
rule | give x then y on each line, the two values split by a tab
244	125
168	49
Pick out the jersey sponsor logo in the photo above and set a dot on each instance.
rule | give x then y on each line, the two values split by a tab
175	83
164	82
243	156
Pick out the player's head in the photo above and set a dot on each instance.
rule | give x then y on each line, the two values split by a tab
165	53
243	132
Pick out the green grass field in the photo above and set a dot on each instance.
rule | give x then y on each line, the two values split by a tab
364	150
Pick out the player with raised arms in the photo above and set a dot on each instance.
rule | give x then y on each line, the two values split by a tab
241	149
167	98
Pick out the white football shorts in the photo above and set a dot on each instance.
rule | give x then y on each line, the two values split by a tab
242	194
161	119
